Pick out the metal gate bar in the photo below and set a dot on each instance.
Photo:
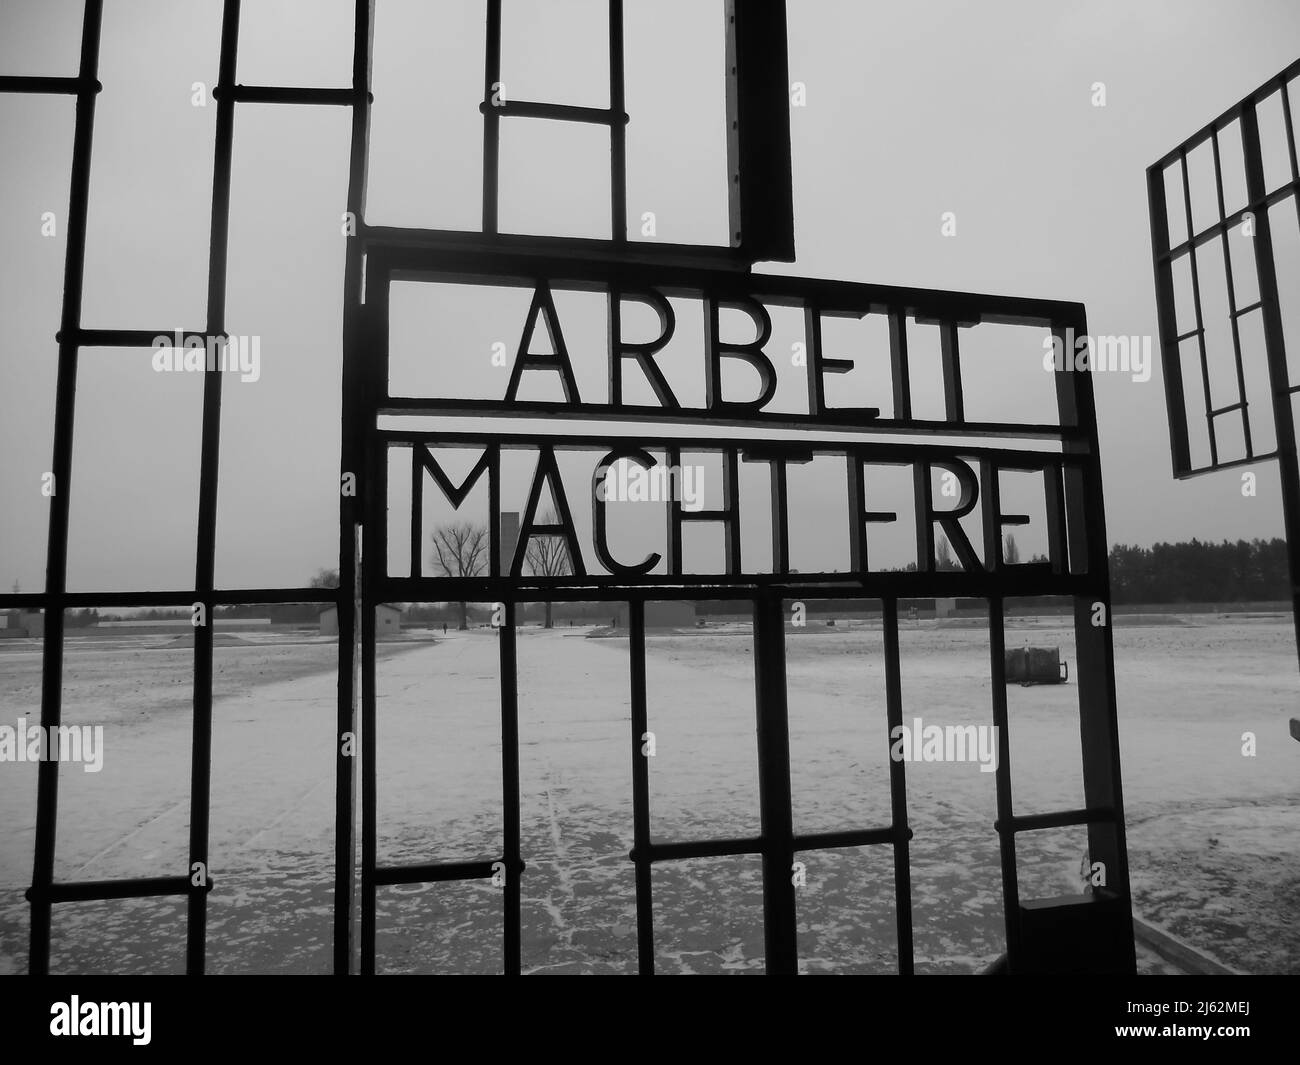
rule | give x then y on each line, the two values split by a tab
510	829
56	563
780	937
900	832
1006	840
640	790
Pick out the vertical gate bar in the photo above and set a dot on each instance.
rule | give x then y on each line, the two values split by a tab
510	828
491	119
1095	650
1196	308
779	484
857	513
209	466
617	128
369	752
673	515
731	501
898	792
758	120
345	775
1175	399
645	942
351	460
494	511
1006	834
1285	92
372	361
417	512
950	355
1275	347
56	557
900	372
1232	296
779	914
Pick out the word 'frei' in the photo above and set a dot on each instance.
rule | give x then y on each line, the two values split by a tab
945	743
102	1018
1131	355
196	353
628	483
60	743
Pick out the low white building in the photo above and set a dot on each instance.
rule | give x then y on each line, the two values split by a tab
388	621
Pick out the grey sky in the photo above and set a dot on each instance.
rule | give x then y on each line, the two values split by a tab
913	109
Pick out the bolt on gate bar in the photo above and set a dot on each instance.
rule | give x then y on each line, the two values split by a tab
1261	196
758	151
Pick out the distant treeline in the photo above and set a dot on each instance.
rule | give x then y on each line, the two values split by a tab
1201	572
1187	572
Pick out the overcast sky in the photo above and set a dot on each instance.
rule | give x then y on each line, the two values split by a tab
912	110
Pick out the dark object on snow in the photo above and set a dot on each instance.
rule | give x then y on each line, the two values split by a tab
1036	665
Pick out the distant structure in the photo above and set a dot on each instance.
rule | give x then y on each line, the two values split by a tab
671	614
17	624
509	538
388	621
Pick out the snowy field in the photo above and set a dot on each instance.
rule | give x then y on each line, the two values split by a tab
1214	836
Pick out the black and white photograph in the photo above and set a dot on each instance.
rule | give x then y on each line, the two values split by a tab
651	487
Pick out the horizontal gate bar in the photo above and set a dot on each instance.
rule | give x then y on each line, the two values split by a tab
874	585
275	94
522	247
438	872
173	597
866	837
871	450
414	258
601	116
66	86
131	338
703	848
95	890
863	419
1065	819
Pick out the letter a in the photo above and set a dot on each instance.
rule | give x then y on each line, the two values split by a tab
543	306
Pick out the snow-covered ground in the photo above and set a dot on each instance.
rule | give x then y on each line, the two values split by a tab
1213	834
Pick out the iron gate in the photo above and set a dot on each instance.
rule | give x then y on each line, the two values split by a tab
1038	937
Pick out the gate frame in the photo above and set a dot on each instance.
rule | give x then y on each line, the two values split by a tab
762	228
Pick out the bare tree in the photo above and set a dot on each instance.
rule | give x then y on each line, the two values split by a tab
943	555
548	556
461	550
325	578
